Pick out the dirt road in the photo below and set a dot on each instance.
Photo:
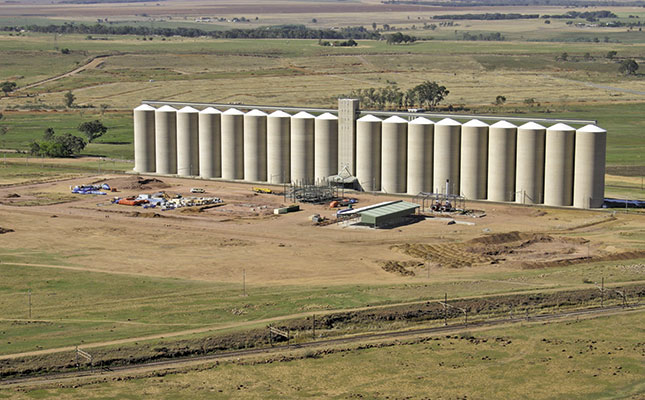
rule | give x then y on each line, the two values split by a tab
93	63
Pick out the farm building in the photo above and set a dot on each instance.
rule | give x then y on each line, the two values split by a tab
390	214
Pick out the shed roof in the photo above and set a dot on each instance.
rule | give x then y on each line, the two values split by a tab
392	208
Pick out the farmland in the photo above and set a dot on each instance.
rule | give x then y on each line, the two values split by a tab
130	285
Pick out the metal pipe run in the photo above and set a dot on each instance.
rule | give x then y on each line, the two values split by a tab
403	114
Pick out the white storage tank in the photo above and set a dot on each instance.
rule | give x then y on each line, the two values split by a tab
278	147
394	155
232	132
255	146
447	143
302	148
166	140
502	138
558	165
187	142
325	146
144	139
210	165
474	159
368	153
589	167
529	172
420	144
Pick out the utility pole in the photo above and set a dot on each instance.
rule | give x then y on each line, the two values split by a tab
29	295
244	282
313	327
602	292
445	310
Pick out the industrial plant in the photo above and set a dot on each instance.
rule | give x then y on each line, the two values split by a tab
388	152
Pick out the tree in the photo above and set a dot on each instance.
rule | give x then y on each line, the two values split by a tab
430	93
49	134
564	56
374	25
313	20
69	99
59	146
92	130
628	67
8	87
500	100
611	54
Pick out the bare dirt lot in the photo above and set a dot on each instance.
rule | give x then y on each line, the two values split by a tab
215	244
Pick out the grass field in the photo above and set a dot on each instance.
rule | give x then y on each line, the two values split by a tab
101	273
586	357
72	305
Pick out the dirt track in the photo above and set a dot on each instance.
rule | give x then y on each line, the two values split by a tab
93	63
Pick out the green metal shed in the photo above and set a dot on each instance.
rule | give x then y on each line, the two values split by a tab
388	214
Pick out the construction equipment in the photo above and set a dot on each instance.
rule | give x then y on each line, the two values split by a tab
262	190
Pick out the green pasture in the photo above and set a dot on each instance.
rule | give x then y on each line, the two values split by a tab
71	306
585	357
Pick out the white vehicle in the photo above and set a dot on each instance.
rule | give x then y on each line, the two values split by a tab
197	190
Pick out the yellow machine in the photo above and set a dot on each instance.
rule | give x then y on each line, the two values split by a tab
262	190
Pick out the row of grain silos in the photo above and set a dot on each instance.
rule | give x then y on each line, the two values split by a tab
254	146
530	164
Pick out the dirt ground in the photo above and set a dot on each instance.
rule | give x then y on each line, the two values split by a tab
87	232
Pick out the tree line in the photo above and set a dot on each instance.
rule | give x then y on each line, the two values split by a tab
427	94
269	32
487	16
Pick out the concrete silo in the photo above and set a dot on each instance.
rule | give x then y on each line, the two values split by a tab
447	143
394	155
368	153
187	142
529	167
589	167
144	139
325	146
502	137
166	140
278	147
558	165
302	147
232	132
210	165
474	159
420	144
255	146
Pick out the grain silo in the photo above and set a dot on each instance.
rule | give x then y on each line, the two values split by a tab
325	146
278	147
232	132
502	138
210	165
589	168
529	167
144	139
187	142
420	144
558	165
447	142
368	153
302	148
474	159
394	155
255	146
166	140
